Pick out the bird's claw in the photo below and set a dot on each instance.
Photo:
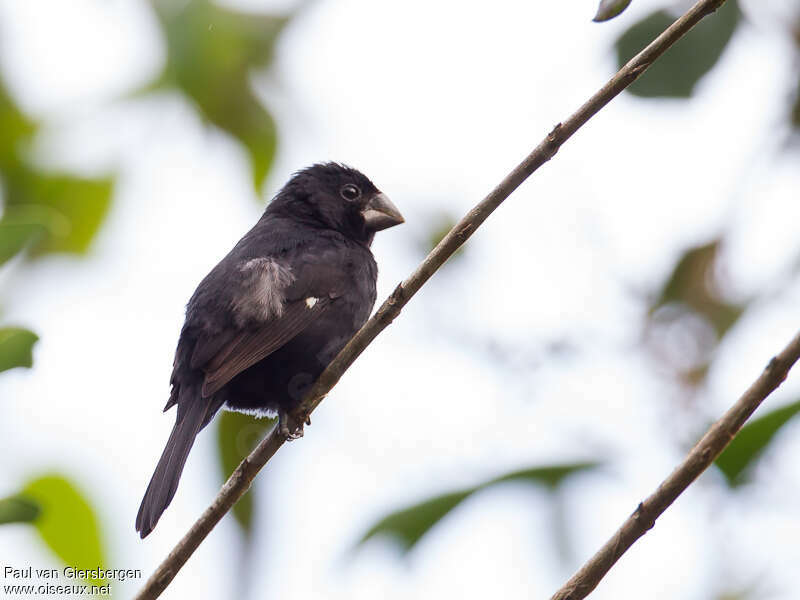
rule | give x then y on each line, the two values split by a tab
289	428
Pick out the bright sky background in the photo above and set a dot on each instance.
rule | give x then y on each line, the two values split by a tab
435	101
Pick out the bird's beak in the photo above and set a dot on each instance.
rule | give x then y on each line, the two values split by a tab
380	213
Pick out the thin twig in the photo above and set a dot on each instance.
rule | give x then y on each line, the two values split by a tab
698	460
241	478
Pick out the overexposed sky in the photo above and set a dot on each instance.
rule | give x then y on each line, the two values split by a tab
435	101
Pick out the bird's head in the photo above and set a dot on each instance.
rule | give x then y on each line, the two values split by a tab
334	196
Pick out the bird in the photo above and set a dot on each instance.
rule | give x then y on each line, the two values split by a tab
272	314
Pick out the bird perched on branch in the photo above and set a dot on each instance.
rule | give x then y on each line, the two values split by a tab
268	319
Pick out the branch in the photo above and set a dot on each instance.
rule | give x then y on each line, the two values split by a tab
240	480
698	460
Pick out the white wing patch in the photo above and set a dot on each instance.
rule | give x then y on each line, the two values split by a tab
311	301
261	296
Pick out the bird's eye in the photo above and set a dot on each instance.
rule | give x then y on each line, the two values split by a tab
350	192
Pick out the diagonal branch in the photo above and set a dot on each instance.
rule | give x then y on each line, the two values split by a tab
698	460
241	478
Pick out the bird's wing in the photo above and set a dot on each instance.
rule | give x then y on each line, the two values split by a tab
249	346
266	302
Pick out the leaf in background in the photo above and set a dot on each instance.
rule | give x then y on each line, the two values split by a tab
675	74
752	590
751	441
551	476
690	315
608	9
691	277
67	523
16	130
16	346
692	283
407	526
16	233
63	212
43	211
16	509
211	53
237	435
439	225
696	375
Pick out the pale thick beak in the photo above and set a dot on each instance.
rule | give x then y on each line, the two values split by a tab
380	213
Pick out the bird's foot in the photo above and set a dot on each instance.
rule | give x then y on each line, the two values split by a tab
289	427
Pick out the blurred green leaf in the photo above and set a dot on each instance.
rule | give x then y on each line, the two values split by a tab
750	592
751	441
16	130
550	476
211	53
794	113
608	9
693	284
16	509
42	211
696	375
67	523
407	526
16	345
15	235
439	225
691	299
59	213
676	73
237	435
692	276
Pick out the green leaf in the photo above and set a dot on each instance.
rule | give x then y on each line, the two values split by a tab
676	73
82	203
692	277
16	345
734	596
550	476
15	236
17	130
52	213
43	212
751	441
692	298
794	112
407	526
608	9
237	435
439	225
67	523
16	509
211	53
693	284
74	208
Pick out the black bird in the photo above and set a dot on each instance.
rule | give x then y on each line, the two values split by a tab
267	320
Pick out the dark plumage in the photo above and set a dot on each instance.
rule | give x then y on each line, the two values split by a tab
267	320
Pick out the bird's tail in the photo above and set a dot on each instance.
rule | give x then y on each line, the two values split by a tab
189	421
